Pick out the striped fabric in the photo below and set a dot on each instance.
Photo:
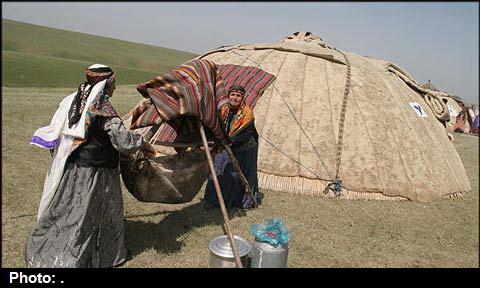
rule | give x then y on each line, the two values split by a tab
193	89
197	88
145	114
253	79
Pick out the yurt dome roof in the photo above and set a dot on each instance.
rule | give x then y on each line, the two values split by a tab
334	115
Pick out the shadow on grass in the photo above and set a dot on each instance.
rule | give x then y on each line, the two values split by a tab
164	235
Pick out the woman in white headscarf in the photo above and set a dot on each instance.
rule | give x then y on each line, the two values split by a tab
80	217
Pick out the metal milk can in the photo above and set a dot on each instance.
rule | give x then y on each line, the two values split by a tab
265	255
221	254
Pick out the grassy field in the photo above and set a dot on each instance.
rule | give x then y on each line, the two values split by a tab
24	70
324	232
38	56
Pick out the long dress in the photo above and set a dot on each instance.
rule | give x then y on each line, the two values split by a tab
84	223
245	149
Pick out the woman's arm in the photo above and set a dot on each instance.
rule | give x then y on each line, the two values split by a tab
124	140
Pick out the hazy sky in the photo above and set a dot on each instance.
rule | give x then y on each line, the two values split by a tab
436	41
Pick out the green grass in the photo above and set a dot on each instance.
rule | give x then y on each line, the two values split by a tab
38	56
324	232
27	70
40	40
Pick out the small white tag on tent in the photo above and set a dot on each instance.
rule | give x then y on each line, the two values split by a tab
452	111
418	109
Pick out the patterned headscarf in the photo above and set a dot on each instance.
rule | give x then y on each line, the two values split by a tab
237	88
243	116
94	74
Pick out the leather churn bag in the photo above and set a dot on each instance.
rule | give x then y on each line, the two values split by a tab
168	179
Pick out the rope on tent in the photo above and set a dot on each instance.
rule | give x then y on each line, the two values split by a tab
431	97
294	118
299	163
337	183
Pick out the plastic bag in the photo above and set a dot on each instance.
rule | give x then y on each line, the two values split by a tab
272	231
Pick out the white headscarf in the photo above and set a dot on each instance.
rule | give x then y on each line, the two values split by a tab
58	136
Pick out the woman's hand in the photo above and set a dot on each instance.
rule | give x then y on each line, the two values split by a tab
210	146
203	148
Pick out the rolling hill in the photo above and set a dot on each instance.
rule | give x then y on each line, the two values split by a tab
38	56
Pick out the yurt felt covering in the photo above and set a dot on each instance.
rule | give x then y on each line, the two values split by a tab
388	152
383	137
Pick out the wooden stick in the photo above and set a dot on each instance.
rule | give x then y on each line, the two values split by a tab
240	173
180	144
233	244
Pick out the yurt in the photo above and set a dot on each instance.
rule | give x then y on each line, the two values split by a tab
335	123
464	121
454	110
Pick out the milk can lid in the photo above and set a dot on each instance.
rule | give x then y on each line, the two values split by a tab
221	246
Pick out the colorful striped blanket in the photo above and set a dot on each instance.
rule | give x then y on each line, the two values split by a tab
254	80
197	88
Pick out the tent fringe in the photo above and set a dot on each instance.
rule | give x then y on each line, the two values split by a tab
305	186
454	195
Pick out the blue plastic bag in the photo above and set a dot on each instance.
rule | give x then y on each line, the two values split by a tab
272	231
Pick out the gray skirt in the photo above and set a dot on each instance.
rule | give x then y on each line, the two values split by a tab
83	226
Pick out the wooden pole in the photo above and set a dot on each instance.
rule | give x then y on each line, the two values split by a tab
240	173
233	244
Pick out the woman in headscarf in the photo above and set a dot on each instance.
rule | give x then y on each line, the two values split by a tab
80	217
238	123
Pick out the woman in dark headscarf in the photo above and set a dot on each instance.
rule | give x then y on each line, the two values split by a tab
80	217
238	123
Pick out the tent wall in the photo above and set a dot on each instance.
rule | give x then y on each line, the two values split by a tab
388	152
